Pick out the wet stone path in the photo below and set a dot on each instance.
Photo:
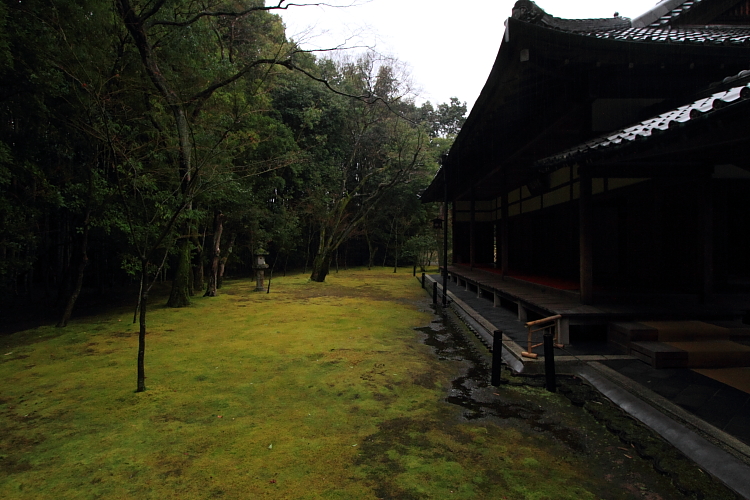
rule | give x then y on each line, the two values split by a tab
472	391
584	422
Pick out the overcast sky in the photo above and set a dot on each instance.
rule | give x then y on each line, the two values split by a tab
448	48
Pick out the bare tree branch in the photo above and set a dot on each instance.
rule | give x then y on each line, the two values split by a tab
239	13
153	10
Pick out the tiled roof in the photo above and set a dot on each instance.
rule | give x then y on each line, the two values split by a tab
529	12
712	35
674	14
586	25
654	126
621	28
730	79
664	13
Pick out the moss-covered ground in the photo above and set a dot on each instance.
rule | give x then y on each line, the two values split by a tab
316	390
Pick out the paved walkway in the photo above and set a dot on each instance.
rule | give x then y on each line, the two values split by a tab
704	418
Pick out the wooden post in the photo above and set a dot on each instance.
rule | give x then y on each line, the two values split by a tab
504	235
657	253
563	330
549	362
522	316
707	240
472	231
585	221
445	236
496	242
454	236
497	358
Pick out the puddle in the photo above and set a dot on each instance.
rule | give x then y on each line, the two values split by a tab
472	390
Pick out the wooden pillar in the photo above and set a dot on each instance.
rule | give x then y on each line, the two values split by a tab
496	238
472	231
657	254
504	235
453	232
720	197
707	240
585	223
563	330
523	316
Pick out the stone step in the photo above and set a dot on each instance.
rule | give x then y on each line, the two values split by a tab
692	354
622	333
678	331
659	355
737	331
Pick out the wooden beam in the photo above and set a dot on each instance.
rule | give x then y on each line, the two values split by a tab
472	230
657	238
453	231
647	169
707	240
504	235
585	221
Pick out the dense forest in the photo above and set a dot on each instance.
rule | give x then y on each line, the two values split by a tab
175	139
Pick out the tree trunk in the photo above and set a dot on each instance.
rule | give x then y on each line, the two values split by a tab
198	280
223	260
213	276
322	261
138	304
395	250
180	295
63	258
81	268
321	266
307	250
372	250
388	242
141	385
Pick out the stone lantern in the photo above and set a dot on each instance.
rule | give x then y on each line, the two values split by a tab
259	264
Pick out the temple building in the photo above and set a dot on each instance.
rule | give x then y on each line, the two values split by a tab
604	172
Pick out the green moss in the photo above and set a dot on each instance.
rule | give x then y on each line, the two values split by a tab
312	391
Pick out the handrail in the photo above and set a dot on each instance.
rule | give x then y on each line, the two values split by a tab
529	352
544	320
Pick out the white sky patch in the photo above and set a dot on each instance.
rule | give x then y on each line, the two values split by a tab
450	48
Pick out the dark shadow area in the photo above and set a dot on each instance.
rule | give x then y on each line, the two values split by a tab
720	405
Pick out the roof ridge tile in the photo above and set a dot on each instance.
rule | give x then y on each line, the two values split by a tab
698	109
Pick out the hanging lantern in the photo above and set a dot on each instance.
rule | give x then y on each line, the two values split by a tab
437	223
